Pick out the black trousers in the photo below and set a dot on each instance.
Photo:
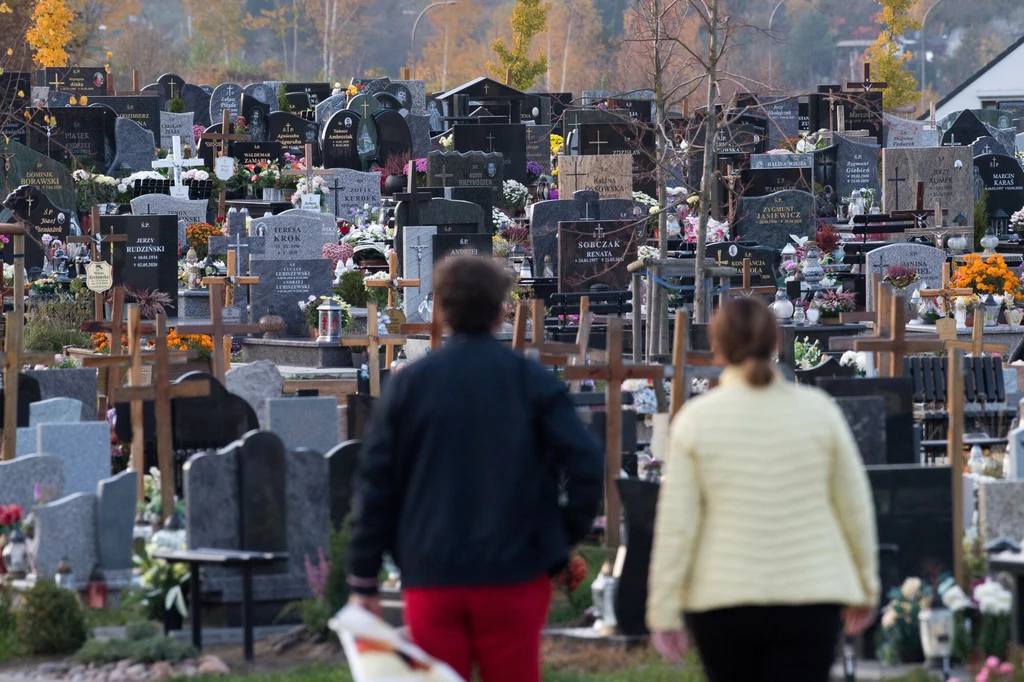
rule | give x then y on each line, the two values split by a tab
767	643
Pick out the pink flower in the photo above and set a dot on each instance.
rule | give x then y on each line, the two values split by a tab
1006	668
991	662
982	676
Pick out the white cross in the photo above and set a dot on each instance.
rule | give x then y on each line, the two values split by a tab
176	161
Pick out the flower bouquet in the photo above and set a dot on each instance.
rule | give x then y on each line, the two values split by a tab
514	195
900	635
989	276
996	604
833	303
857	360
806	355
900	276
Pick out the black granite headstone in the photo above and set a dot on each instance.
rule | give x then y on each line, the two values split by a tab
256	115
71	132
763	262
31	206
1003	180
246	153
294	133
143	110
261	491
899	410
341	464
149	259
77	80
339	143
595	252
448	246
507	139
394	140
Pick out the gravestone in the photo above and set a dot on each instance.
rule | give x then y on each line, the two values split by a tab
903	133
595	252
226	96
770	173
54	410
84	447
402	93
180	125
262	92
136	148
299	102
171	84
294	235
149	259
389	102
197	101
927	259
546	215
783	120
770	220
262	481
989	145
20	476
157	90
448	246
75	133
898	394
365	105
1000	511
856	166
418	91
115	519
246	153
947	173
304	422
339	142
394	139
449	217
610	176
283	283
77	384
256	382
509	140
316	92
192	211
352	190
144	110
964	130
256	115
77	80
294	133
481	196
24	166
66	529
469	169
538	147
342	462
418	261
419	133
29	205
1003	179
866	417
763	262
329	107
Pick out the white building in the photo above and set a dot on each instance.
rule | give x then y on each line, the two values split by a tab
1001	80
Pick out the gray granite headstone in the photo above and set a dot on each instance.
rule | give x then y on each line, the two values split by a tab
295	235
136	147
255	383
192	211
179	125
866	417
329	107
545	216
283	283
856	166
210	481
418	89
419	132
226	96
1000	509
418	262
54	410
770	220
115	518
66	528
198	102
342	463
237	222
263	92
947	173
1016	438
307	495
352	190
903	133
79	384
927	259
85	449
19	477
304	422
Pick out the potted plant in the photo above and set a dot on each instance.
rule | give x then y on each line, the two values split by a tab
899	639
833	303
1013	314
396	167
995	603
514	195
900	276
986	276
163	584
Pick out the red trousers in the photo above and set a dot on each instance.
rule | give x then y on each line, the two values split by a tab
496	628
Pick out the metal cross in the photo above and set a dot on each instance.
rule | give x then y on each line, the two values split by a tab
366	105
419	252
598	142
176	161
490	142
444	175
598	231
56	82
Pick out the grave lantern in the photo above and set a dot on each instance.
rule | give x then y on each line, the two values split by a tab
330	321
789	255
937	630
96	589
999	223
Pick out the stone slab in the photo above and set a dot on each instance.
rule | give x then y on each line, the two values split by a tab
304	422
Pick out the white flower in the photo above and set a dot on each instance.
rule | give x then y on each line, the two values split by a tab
652	210
122	188
911	588
80	175
888	618
312	298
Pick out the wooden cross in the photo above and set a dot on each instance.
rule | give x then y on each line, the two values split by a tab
220	140
94	239
113	330
217	329
435	328
373	341
614	372
309	173
867	84
14	359
136	91
955	454
160	391
582	339
747	289
393	284
919	214
412	195
976	346
681	357
548	352
946	327
880	319
895	343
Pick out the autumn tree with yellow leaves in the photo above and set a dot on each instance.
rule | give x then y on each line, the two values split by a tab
889	59
50	33
529	18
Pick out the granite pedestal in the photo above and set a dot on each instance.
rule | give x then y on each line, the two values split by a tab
195	304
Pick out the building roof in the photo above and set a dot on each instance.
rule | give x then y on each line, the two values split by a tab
977	74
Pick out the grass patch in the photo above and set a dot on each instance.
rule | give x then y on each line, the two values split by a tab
569	612
313	673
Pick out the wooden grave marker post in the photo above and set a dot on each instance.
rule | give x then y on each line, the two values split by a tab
955	454
748	289
613	372
373	340
946	327
895	344
220	148
393	284
976	346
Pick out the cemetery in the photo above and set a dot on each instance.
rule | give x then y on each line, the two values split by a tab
207	289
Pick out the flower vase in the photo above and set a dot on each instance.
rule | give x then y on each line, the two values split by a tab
1014	317
969	319
314	333
270	194
394	184
829	320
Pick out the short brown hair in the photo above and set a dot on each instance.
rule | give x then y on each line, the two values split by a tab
744	332
470	292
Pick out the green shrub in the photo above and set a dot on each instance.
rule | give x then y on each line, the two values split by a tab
10	646
141	629
351	289
980	218
282	99
51	620
176	106
50	325
145	650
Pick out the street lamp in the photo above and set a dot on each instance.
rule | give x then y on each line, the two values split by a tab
771	18
923	54
412	44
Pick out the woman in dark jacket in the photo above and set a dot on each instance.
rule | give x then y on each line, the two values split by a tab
459	481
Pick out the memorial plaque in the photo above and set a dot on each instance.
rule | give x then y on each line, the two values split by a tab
470	169
20	165
783	120
149	259
316	92
294	133
947	173
71	133
770	220
283	283
247	153
903	133
256	115
339	145
763	262
448	246
77	80
595	253
856	166
611	176
1003	180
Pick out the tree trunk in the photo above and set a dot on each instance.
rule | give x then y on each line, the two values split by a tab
661	108
700	315
295	36
565	50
